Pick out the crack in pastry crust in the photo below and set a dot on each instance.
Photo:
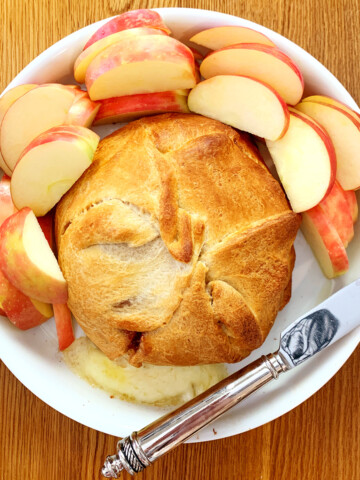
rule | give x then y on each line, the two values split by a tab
177	243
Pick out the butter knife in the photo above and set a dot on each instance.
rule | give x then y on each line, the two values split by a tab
304	338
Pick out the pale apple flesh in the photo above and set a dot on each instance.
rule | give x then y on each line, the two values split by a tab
33	113
22	311
87	56
6	101
345	136
325	242
27	260
243	103
141	64
332	101
127	20
353	204
262	62
305	162
64	328
336	207
220	37
50	165
127	108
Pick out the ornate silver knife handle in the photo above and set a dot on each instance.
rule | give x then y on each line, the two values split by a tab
142	448
305	337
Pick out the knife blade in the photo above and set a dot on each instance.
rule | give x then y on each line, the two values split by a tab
307	336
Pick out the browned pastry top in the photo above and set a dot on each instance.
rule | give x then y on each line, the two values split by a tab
177	243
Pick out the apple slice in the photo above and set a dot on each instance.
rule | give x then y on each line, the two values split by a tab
199	57
50	165
141	64
332	101
64	328
262	62
129	107
220	37
127	20
243	103
6	101
336	208
87	56
325	242
7	207
28	262
21	310
344	133
353	205
34	112
305	162
82	112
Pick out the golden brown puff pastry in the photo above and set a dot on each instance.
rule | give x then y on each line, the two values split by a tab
176	243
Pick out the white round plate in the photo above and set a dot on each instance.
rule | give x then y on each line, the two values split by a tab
33	355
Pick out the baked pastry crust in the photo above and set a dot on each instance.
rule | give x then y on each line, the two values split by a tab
176	243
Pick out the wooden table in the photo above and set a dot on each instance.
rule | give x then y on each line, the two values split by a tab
318	440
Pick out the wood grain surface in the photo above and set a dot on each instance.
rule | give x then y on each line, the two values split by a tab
318	440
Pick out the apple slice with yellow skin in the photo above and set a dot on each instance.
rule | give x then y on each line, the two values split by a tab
50	165
220	37
27	260
335	206
21	310
305	161
141	64
64	328
262	62
332	101
87	56
127	20
7	207
30	115
325	242
243	103
6	101
353	205
129	107
344	133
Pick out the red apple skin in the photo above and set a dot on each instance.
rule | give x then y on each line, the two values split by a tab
352	202
64	328
331	240
46	224
87	56
7	207
328	144
129	107
132	19
19	308
336	208
15	264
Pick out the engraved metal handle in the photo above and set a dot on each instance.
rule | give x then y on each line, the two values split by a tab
142	448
